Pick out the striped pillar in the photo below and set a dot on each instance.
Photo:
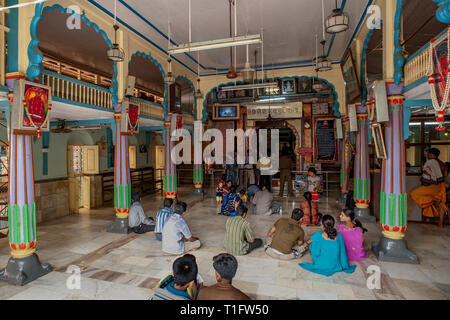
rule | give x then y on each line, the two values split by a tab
122	179
393	196
361	181
198	177
345	156
170	169
24	265
198	158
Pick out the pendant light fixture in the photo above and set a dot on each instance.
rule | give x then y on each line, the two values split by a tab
115	53
317	86
337	21
231	71
323	64
169	79
198	93
248	72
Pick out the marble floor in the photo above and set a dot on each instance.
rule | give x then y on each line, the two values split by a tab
115	266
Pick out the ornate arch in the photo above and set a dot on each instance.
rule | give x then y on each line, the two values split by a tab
335	106
156	62
35	55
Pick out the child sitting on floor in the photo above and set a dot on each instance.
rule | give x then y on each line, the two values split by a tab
243	196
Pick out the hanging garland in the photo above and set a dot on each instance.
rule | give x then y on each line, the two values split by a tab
439	107
28	115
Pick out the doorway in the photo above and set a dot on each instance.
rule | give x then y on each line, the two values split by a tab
75	177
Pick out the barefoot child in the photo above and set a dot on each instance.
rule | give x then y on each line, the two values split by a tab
313	184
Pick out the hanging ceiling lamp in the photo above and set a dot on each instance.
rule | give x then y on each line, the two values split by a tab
198	93
323	64
248	72
317	86
231	71
115	53
337	21
169	79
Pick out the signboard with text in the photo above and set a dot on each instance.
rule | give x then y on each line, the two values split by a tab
283	111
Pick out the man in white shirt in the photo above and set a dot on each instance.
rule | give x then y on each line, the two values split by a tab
138	222
176	236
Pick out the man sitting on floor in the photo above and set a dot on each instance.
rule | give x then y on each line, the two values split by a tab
263	201
225	266
238	237
176	236
286	238
161	217
175	287
138	222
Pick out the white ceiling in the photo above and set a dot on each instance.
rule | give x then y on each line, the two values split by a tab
288	27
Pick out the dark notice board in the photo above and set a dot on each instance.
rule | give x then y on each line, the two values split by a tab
325	142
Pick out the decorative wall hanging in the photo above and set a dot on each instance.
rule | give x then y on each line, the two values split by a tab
32	104
130	113
438	77
352	87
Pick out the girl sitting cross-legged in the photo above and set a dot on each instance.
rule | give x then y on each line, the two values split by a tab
353	233
327	250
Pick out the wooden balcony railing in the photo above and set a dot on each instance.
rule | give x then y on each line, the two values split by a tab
149	108
76	91
416	66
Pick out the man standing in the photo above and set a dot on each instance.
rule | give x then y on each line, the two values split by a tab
138	222
161	217
263	201
285	172
286	238
176	236
238	236
225	266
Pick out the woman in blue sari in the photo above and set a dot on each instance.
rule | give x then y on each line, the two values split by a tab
230	203
328	251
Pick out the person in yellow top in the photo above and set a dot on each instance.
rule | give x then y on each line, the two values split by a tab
244	198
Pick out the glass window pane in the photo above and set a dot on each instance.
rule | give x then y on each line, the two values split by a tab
433	135
414	129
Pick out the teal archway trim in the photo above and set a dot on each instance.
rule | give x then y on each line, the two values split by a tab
193	91
156	62
399	60
443	11
35	55
335	108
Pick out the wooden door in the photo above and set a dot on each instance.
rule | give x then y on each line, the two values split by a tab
90	160
132	156
86	197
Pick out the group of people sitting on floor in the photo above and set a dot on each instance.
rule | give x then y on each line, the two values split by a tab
331	248
170	226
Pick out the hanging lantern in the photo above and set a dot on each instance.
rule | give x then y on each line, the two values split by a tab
198	93
337	21
323	64
169	79
116	53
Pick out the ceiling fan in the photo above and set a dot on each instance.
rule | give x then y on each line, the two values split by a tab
61	128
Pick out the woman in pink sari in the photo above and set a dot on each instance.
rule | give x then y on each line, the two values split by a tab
353	233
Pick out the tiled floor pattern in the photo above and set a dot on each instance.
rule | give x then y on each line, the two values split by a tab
117	266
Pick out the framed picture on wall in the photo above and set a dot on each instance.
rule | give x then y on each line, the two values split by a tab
380	147
352	85
325	142
288	86
304	85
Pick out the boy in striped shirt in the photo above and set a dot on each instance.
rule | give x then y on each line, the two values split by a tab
161	217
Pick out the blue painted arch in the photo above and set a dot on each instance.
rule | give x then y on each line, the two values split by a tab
156	62
35	55
335	108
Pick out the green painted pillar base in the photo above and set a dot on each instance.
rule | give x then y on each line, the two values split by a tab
20	271
119	226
